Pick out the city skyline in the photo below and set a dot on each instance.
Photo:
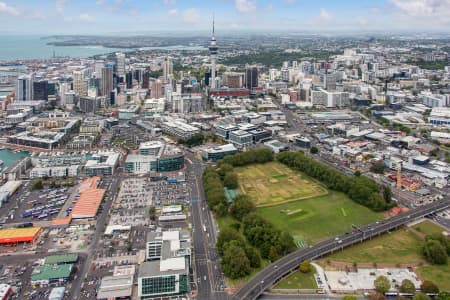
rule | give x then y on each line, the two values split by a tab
126	16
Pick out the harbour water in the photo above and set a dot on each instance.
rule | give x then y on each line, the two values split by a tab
9	157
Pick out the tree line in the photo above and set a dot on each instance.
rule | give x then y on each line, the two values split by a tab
251	237
360	189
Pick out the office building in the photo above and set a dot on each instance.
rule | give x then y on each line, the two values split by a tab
106	85
120	64
241	138
251	77
330	99
79	86
40	90
219	152
167	69
24	88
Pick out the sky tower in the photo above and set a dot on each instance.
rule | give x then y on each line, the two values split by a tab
212	53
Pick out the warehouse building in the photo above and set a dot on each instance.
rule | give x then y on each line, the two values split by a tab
13	236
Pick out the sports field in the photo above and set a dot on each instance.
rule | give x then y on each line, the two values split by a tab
315	219
274	183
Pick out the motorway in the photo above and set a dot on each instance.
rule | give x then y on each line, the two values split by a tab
277	270
208	276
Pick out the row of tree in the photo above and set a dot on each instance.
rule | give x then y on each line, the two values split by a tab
360	189
256	156
195	140
238	256
436	249
214	192
383	285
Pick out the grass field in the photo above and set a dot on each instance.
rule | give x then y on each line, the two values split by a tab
298	280
428	227
438	274
274	183
315	219
401	246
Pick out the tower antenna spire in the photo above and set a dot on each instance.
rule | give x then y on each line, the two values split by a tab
213	24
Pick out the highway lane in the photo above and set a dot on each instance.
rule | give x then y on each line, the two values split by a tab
208	275
277	270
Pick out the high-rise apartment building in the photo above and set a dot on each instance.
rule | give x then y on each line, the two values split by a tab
167	69
24	88
251	77
79	86
106	85
120	63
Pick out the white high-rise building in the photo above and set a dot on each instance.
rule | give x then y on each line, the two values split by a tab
167	69
99	65
212	54
120	61
24	88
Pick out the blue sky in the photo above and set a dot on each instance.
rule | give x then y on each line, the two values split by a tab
127	16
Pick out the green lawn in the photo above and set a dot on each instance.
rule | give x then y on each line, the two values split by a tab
315	219
298	280
428	227
274	183
440	275
401	246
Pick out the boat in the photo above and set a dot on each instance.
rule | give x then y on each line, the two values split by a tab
1	162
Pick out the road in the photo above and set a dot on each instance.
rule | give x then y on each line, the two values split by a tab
208	275
99	230
280	268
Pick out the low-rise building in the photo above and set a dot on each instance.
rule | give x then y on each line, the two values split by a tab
218	152
241	138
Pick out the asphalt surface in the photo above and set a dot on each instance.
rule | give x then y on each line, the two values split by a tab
277	270
207	275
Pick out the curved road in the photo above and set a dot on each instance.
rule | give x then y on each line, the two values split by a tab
277	270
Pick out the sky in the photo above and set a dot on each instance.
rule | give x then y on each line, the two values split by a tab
195	16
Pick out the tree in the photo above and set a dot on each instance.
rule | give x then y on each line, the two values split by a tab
357	173
421	296
429	287
377	168
273	254
152	213
314	150
37	185
434	252
407	287
235	263
382	284
230	180
348	297
224	169
305	267
253	256
387	194
242	205
443	296
226	235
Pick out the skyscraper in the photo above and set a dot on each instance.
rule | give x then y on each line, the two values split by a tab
251	77
120	62
212	54
40	90
24	88
167	69
107	82
78	83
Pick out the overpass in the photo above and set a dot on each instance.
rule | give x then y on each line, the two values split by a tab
277	270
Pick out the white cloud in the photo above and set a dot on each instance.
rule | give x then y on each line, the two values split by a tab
60	4
324	15
269	7
420	8
291	2
191	16
170	2
6	9
245	6
86	18
173	12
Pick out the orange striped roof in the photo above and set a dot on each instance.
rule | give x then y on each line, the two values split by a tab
88	203
89	183
62	221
